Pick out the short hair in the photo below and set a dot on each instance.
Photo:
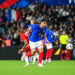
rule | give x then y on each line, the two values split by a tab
43	20
32	19
20	30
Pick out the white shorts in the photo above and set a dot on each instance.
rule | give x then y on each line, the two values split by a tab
34	45
49	46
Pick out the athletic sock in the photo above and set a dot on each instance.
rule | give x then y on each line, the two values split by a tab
40	57
34	58
26	59
50	53
47	54
63	56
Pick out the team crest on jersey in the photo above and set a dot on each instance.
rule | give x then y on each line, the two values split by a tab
39	33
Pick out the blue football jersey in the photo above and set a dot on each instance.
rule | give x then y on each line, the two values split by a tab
36	33
49	35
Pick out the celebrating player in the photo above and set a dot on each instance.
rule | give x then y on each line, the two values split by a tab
36	54
49	42
35	40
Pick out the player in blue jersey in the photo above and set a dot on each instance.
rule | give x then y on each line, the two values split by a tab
36	32
23	56
49	41
36	54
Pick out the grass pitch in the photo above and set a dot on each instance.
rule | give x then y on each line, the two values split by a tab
16	67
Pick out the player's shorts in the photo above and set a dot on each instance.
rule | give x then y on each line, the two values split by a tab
27	49
34	45
63	47
49	46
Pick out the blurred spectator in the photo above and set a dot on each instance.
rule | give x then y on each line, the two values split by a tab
0	42
8	42
32	6
58	17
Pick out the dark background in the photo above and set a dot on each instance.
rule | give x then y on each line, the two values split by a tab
10	53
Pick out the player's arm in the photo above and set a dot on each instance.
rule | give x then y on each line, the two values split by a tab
22	50
26	43
60	41
46	38
54	40
46	34
67	39
29	31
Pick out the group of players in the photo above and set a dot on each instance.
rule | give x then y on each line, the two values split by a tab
33	45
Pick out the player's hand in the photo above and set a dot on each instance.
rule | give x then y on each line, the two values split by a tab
56	42
20	51
30	29
48	42
60	45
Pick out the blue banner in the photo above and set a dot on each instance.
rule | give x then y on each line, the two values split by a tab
24	3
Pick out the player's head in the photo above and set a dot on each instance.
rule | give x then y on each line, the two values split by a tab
43	23
50	28
64	32
20	30
32	21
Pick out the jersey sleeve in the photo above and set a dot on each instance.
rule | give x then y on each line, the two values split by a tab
67	37
34	27
28	27
37	26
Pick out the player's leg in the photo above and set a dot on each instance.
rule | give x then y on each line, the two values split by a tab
33	49
40	56
20	51
26	60
35	57
23	56
67	57
27	49
50	50
26	57
50	54
47	54
32	52
40	48
63	51
44	53
61	57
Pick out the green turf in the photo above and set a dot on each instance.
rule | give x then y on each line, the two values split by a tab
16	67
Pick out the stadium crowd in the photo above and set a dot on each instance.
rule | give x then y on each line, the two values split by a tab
59	18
